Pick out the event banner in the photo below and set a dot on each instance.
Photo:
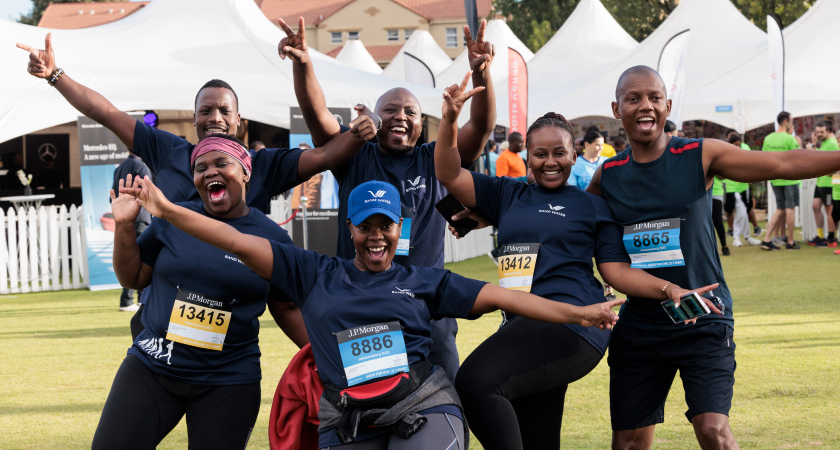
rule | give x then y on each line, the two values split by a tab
320	191
517	92
100	152
672	70
417	72
776	50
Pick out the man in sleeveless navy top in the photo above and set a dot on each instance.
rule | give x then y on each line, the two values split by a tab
661	177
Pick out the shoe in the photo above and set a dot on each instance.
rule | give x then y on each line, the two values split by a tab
831	244
757	231
725	251
769	246
779	240
737	243
821	243
791	246
729	233
753	241
130	308
837	252
610	297
817	241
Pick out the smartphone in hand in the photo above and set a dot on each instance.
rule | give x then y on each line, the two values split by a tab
691	306
448	207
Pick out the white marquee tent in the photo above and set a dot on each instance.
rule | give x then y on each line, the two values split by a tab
588	42
422	46
720	37
355	55
159	57
502	37
811	69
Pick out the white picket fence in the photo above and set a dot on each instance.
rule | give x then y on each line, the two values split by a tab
42	249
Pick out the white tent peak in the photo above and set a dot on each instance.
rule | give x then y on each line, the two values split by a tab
165	65
589	41
354	54
422	46
720	36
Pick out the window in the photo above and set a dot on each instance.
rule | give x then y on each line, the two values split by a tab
353	35
451	37
408	32
335	37
393	35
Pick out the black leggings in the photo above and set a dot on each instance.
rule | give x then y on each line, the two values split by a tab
143	407
717	219
513	386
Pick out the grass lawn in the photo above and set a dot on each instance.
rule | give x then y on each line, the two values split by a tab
60	351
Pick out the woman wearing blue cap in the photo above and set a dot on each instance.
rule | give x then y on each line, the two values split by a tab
513	385
368	320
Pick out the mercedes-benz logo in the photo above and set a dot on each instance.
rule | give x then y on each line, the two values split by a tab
47	152
339	119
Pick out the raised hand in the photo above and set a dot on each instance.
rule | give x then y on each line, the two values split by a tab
365	126
293	45
149	196
455	96
125	208
41	62
600	315
479	52
468	213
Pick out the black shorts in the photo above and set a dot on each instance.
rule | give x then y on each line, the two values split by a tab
729	202
824	194
643	364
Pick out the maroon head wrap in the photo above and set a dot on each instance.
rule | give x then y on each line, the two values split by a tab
220	144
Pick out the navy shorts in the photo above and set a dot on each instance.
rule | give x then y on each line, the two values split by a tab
643	364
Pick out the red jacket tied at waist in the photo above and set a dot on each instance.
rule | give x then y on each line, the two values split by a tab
293	424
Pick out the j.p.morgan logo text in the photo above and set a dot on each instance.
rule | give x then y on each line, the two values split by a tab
415	184
553	210
403	291
201	299
367	329
651	226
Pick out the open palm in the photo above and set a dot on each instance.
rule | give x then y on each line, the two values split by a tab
125	208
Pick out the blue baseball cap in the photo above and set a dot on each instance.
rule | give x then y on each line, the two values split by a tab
373	197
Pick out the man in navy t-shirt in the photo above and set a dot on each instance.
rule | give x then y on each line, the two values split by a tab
216	112
397	159
659	177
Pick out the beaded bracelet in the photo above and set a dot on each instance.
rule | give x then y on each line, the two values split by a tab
57	73
665	290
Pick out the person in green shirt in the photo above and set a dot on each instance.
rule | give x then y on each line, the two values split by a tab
786	191
823	193
717	214
738	204
734	138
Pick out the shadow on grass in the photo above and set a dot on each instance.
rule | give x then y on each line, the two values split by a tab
53	312
50	409
122	331
832	341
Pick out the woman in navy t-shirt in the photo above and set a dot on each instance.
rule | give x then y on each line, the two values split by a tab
368	321
199	352
513	385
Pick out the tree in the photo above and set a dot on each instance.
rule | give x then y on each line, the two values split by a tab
534	21
38	7
640	17
785	11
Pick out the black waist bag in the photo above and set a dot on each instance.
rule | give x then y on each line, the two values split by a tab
379	394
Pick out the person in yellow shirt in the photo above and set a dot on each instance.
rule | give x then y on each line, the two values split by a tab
510	164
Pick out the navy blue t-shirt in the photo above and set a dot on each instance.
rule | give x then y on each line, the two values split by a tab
582	228
182	262
334	296
274	170
672	186
414	177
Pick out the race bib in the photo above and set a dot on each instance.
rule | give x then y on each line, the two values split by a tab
654	244
835	179
372	351
404	244
516	266
199	320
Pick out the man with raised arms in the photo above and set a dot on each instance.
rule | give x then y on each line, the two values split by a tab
216	112
660	177
397	159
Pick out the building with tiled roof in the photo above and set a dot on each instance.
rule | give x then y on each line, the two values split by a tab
70	16
384	25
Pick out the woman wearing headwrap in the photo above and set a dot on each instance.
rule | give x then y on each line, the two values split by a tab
198	355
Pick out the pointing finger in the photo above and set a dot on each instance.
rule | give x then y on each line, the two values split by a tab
468	36
471	92
479	36
465	81
27	48
286	28
301	29
613	303
708	288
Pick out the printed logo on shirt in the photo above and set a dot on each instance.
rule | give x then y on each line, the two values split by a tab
553	210
154	347
403	292
378	193
417	183
233	258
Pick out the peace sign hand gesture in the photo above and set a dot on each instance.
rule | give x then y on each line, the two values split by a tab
455	96
41	62
294	45
479	51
